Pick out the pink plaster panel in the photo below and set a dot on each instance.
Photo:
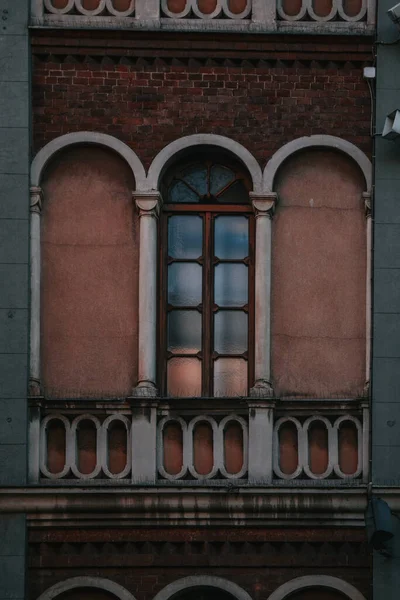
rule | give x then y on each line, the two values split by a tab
318	277
89	275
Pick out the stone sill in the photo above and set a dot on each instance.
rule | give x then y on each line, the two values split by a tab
201	26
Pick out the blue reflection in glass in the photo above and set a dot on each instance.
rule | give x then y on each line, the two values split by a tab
219	178
197	178
185	236
184	284
230	332
179	192
184	331
231	237
231	283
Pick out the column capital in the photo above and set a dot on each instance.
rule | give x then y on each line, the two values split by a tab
36	195
264	204
367	199
148	203
262	389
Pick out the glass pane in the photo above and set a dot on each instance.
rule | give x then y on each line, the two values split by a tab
179	192
197	178
184	377
185	236
231	237
184	331
184	284
235	194
230	377
231	282
219	178
230	332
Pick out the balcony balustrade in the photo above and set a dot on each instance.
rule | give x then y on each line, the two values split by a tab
298	16
241	442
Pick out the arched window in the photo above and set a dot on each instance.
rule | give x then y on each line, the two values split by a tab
207	274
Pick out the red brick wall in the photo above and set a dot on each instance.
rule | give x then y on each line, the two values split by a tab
144	561
148	107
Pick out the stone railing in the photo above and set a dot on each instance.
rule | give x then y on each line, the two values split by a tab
241	442
298	16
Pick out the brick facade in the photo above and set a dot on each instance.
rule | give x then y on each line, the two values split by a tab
262	98
146	561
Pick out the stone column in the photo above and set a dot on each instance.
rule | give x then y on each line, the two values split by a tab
261	429
35	208
368	297
144	441
147	9
148	205
263	207
264	13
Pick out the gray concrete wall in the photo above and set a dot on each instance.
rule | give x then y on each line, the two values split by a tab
14	238
386	347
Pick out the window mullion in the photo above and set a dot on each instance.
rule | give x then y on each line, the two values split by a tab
207	305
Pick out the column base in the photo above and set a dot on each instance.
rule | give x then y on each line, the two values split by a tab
145	389
262	389
34	387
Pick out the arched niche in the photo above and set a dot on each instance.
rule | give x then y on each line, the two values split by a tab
86	588
89	272
319	266
190	143
316	587
202	587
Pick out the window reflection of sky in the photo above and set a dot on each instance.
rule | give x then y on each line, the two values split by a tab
197	182
185	236
184	284
219	178
231	282
231	237
184	331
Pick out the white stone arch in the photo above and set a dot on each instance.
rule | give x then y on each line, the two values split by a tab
310	581
364	164
203	139
104	585
198	581
38	167
86	137
316	141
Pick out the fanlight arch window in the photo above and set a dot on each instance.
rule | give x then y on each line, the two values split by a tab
207	280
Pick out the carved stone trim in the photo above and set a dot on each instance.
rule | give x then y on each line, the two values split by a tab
196	581
36	195
264	205
190	142
87	582
367	199
148	204
310	581
315	141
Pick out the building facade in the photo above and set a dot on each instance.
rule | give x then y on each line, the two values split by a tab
187	299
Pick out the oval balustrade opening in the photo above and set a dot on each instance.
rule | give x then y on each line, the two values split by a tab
117	446
203	448
173	448
86	442
348	447
318	450
56	446
233	448
288	448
